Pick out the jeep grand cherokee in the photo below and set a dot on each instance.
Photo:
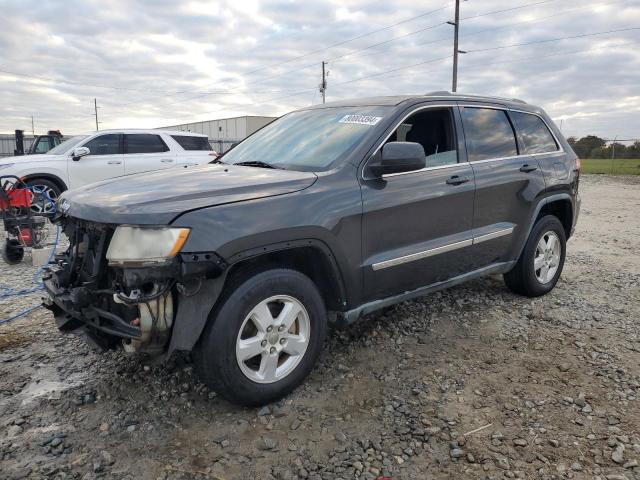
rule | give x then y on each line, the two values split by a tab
329	213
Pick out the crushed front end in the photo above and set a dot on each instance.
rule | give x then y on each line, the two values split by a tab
123	285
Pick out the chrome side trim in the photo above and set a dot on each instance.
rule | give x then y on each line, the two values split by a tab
492	235
425	169
443	249
420	255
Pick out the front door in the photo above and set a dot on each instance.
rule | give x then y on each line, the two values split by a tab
417	226
103	162
508	185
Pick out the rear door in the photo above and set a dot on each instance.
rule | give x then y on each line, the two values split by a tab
417	226
508	184
145	152
103	162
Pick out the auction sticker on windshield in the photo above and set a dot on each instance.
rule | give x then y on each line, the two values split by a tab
360	119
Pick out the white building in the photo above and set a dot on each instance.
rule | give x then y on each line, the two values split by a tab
225	132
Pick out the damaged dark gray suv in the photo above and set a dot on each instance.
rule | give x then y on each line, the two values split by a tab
325	215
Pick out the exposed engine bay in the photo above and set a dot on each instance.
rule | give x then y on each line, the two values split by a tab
134	306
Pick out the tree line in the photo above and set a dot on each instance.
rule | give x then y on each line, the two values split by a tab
593	146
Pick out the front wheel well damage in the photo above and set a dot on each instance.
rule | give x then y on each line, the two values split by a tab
311	260
562	210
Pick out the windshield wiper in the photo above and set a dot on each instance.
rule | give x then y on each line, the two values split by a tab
258	163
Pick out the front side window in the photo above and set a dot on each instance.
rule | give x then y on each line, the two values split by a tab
43	145
104	144
144	143
189	142
433	129
535	135
488	134
309	140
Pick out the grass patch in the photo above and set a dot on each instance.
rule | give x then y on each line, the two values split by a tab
617	166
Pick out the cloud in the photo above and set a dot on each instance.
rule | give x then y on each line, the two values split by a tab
161	62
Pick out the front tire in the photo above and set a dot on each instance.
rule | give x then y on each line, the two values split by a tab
541	261
12	252
263	339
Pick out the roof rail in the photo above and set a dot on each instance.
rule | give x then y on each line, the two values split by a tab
438	92
518	100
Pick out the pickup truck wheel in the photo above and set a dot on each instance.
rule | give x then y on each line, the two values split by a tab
43	188
541	261
263	339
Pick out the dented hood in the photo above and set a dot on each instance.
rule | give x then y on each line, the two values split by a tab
156	198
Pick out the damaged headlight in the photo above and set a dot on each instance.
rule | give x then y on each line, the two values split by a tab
145	244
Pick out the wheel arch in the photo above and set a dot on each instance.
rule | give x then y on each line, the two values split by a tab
311	257
47	176
300	255
551	205
561	208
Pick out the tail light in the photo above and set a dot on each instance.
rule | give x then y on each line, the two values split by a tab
578	164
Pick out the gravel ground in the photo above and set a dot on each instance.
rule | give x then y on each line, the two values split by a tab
473	382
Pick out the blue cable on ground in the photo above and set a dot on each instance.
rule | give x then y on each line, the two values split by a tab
7	292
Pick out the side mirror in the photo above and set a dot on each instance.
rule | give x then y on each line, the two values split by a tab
398	157
79	152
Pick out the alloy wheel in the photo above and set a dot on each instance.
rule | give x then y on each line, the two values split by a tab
273	339
44	199
547	257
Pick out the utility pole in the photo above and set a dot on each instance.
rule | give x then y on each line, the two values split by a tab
95	107
323	85
456	30
33	130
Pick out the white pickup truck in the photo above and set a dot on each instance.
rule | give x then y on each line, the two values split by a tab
102	155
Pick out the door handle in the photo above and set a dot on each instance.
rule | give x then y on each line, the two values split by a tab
528	168
114	162
167	160
456	180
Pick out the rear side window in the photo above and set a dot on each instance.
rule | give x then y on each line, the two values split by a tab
104	145
189	142
488	134
144	143
535	134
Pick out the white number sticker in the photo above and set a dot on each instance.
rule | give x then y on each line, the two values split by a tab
360	119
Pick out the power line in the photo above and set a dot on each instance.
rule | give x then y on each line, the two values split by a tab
343	42
494	12
502	27
553	40
430	27
526	59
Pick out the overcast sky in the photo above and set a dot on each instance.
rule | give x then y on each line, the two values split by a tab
162	62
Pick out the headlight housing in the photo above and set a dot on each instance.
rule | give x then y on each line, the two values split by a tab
145	245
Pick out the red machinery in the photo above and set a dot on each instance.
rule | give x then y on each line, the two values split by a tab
23	228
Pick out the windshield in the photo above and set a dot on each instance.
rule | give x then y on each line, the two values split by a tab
66	145
311	140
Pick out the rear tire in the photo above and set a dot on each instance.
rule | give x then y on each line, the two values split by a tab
12	252
263	338
541	261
